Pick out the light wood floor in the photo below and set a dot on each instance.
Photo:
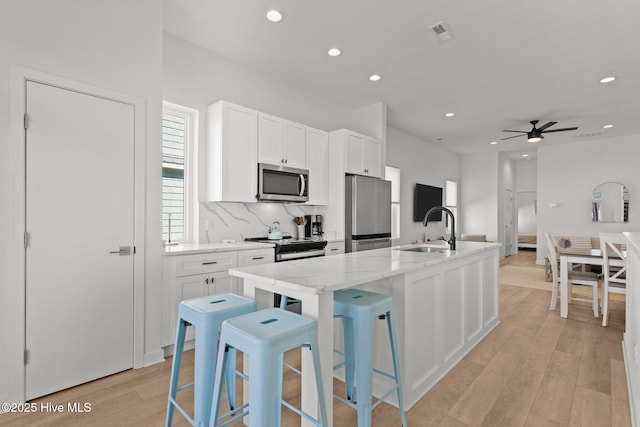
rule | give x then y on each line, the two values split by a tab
535	369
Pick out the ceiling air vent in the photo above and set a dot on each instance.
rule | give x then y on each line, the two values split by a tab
590	134
442	31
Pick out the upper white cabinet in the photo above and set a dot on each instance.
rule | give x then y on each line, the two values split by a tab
232	143
363	154
317	142
281	142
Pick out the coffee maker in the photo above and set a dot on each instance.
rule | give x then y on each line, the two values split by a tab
313	227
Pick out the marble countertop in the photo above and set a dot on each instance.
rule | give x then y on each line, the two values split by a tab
316	275
195	248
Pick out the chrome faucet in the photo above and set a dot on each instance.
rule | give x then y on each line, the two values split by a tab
452	239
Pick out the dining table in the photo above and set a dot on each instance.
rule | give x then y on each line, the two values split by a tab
569	256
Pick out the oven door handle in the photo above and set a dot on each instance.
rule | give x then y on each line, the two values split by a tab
302	185
300	255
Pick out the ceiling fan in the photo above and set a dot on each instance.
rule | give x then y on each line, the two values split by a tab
535	134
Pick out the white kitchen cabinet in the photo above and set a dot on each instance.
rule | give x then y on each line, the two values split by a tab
363	154
232	152
281	142
192	276
317	142
334	248
253	257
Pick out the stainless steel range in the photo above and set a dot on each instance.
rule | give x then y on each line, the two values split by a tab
289	249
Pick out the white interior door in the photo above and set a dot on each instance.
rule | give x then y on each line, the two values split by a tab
79	209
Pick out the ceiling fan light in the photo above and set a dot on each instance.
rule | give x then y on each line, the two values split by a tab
534	138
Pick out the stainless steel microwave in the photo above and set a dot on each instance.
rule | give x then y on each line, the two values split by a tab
282	184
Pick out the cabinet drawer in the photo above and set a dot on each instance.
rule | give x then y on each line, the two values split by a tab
255	257
204	263
334	248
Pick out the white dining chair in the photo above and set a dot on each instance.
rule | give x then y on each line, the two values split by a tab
584	278
615	279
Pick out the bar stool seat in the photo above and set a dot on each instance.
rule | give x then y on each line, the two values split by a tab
264	336
358	310
206	314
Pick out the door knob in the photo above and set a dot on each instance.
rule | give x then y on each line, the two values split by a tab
124	250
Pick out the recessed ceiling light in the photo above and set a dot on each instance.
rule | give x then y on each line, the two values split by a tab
493	142
525	155
374	77
334	51
607	126
274	16
450	114
607	79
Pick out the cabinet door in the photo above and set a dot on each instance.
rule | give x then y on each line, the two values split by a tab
294	145
222	282
271	133
355	146
371	157
317	143
232	148
188	287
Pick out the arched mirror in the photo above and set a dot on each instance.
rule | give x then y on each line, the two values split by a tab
610	203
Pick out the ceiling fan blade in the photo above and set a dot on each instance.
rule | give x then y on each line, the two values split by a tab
516	136
519	131
558	130
546	125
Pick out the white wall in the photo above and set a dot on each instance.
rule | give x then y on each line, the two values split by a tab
506	180
479	194
419	162
196	78
116	45
526	175
567	174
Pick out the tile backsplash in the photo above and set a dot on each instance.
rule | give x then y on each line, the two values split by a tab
236	221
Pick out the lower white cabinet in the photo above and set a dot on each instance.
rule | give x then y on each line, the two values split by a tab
334	248
253	257
194	275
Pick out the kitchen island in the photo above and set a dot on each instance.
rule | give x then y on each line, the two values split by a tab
445	302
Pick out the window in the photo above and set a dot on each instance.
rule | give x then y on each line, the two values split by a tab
451	200
393	174
178	124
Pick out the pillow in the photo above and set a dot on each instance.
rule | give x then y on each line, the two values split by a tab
564	243
580	242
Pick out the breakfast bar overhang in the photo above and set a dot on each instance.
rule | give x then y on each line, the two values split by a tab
445	303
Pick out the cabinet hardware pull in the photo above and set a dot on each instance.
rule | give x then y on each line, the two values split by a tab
209	262
258	257
206	281
334	249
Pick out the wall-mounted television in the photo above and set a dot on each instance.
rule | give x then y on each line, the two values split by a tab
425	198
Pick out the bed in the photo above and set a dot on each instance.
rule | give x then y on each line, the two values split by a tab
527	240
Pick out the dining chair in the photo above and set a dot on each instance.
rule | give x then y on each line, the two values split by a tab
584	278
615	278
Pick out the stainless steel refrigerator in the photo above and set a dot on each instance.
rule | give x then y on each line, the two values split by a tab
367	213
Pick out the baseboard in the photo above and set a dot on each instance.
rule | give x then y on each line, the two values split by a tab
153	358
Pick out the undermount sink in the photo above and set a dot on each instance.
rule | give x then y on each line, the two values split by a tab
425	249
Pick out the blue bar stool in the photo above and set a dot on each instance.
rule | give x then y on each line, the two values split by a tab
264	336
358	310
206	314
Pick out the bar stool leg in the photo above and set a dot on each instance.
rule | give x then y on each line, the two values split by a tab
349	357
205	363
315	354
175	369
264	369
364	363
396	370
223	352
230	378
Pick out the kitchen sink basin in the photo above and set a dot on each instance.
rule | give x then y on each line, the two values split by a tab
425	249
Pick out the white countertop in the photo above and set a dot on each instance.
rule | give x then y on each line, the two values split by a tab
316	275
194	248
